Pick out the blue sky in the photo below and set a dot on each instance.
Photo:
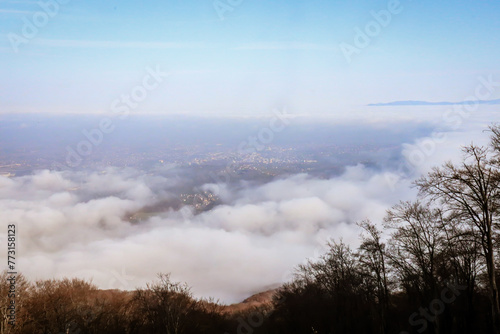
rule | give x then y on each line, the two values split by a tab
260	55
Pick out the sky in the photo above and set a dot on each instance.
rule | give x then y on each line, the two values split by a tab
232	57
240	57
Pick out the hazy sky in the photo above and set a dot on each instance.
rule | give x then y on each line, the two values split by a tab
242	58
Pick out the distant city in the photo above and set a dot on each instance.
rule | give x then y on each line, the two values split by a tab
326	150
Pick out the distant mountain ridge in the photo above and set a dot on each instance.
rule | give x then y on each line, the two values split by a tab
260	299
427	103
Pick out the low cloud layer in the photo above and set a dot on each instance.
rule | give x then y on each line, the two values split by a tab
75	224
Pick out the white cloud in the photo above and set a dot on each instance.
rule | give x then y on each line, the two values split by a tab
286	46
117	44
68	227
75	224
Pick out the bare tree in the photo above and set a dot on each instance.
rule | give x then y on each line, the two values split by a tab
166	305
495	138
416	249
337	271
471	190
56	306
373	259
21	285
463	264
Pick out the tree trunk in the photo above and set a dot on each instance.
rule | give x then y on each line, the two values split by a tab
495	308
